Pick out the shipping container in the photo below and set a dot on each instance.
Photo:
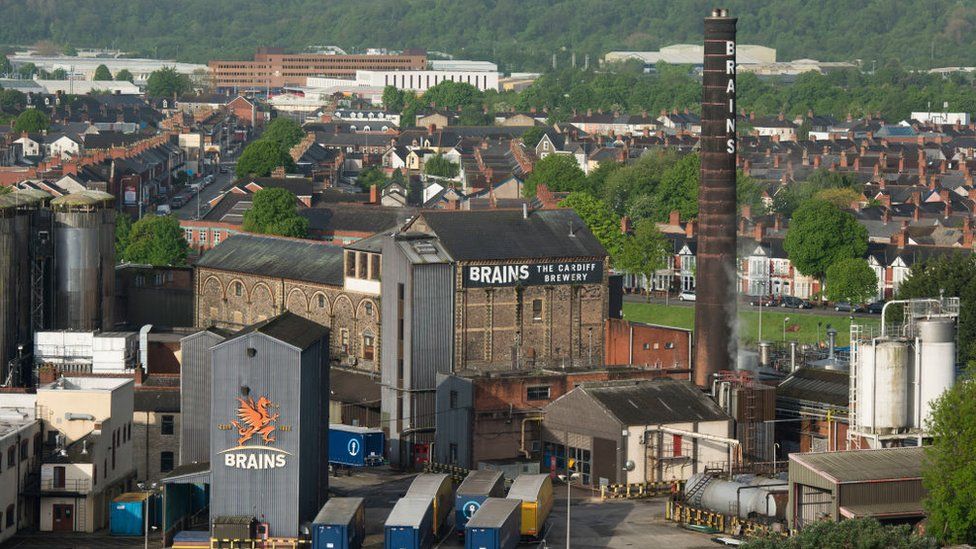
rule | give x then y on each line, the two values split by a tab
409	524
440	489
355	446
239	527
473	491
535	493
128	516
496	525
341	524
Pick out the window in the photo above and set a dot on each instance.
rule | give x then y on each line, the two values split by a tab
374	266
368	308
540	392
361	266
344	340
350	263
24	449
238	289
59	477
536	310
452	453
203	235
368	346
545	144
10	515
11	456
454	399
216	237
140	281
158	279
321	301
165	462
166	425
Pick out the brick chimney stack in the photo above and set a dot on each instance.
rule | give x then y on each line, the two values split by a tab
625	225
674	218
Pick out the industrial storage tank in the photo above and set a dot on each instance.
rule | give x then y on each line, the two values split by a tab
758	498
85	260
8	280
937	364
883	385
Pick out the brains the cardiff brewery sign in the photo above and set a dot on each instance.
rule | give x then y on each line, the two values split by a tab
533	274
255	418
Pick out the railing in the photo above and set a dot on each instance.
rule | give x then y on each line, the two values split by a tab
729	524
65	485
639	490
271	543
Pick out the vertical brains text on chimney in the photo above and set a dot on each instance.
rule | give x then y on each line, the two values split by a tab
730	143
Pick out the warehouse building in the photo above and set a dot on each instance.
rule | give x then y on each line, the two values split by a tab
250	278
636	431
885	484
268	421
493	290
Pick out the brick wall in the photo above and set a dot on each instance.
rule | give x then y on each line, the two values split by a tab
647	345
147	433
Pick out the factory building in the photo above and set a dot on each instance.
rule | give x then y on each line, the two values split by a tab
20	438
250	278
268	420
885	484
196	378
494	290
57	269
636	431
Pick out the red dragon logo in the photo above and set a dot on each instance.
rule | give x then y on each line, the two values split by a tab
255	420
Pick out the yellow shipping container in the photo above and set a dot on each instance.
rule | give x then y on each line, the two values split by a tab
535	492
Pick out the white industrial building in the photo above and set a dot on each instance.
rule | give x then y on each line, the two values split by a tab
87	352
692	54
961	118
20	444
83	87
84	67
418	81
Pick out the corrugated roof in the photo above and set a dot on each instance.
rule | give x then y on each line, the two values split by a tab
494	512
817	385
865	465
884	510
655	401
506	234
338	511
277	257
189	473
427	484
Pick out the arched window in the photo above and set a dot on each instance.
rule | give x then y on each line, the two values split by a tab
238	289
10	515
321	301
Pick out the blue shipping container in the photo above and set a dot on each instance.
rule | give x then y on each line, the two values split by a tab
473	491
128	514
410	524
496	525
355	446
341	524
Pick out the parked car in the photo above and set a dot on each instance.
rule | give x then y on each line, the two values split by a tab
163	209
765	301
790	302
686	295
847	307
875	307
178	201
223	169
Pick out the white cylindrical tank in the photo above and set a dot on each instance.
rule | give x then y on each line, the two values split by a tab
865	385
723	496
937	368
883	386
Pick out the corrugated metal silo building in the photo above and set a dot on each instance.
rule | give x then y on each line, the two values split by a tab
268	423
195	391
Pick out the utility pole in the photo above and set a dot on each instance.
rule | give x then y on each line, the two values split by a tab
553	61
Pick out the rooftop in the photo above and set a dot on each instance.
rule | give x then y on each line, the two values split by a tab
85	384
288	328
278	257
865	465
653	402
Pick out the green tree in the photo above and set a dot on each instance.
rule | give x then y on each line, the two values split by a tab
370	176
949	474
69	50
31	121
852	280
951	275
559	172
27	71
532	136
5	190
859	533
274	211
102	73
5	67
644	252
157	240
442	167
599	218
394	99
59	74
679	189
124	76
123	232
842	197
820	235
166	82
261	157
12	101
284	131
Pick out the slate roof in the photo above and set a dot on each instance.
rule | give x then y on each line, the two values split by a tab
351	217
298	186
289	328
653	402
505	234
353	387
166	400
278	257
817	385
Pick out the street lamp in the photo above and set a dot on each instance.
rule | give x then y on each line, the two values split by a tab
775	450
568	479
149	489
785	322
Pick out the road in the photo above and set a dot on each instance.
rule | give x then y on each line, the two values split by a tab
221	181
674	302
71	540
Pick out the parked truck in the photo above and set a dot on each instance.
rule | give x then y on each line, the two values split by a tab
409	525
496	525
535	494
473	491
355	446
440	489
340	524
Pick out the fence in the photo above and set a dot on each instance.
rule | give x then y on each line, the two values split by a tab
684	514
638	490
273	543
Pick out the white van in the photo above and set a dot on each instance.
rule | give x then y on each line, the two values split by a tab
163	209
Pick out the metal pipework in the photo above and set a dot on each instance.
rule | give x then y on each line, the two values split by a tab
715	307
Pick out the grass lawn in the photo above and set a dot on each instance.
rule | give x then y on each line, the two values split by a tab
772	322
